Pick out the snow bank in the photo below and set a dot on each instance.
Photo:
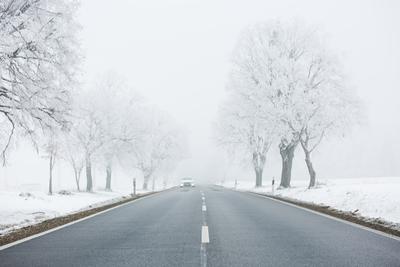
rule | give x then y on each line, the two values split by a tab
19	209
375	197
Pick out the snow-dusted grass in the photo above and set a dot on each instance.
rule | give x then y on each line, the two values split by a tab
19	209
377	197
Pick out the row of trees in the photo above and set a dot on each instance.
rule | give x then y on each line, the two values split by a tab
285	88
110	124
39	99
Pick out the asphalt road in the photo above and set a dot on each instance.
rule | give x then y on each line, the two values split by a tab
170	229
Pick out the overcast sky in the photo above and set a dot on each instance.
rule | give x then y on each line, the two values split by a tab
176	54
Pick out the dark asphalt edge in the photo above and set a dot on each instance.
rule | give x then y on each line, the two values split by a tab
377	226
58	222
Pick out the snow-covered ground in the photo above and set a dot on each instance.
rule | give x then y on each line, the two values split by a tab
377	197
19	209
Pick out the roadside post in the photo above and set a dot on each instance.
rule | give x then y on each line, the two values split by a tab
235	184
134	187
273	184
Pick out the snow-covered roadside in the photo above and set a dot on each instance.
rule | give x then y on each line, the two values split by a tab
22	209
377	197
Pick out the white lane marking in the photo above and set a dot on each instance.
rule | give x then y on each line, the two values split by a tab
330	217
71	223
203	255
204	234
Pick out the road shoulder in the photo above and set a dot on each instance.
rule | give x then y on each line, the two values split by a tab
374	225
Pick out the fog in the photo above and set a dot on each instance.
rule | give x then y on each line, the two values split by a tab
177	55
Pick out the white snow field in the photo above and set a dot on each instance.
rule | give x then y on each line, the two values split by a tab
19	209
374	197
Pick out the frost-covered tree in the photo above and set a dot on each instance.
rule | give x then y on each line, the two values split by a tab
106	121
286	73
109	105
90	133
73	153
249	121
245	128
311	98
50	144
118	106
160	142
270	53
38	63
327	106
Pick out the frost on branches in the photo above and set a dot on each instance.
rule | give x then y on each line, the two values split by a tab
38	57
285	85
160	146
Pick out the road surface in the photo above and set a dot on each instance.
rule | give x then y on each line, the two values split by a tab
206	226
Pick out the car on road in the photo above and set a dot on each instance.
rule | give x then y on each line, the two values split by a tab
187	182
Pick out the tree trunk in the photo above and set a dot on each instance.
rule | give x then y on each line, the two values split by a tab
146	179
77	176
311	170
287	154
258	163
259	172
89	179
153	186
77	180
108	177
51	175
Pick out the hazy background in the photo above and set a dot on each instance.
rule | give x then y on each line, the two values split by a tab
177	55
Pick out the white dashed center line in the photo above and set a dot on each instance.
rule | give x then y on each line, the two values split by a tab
205	238
204	234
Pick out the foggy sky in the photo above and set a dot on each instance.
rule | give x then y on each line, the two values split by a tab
177	55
